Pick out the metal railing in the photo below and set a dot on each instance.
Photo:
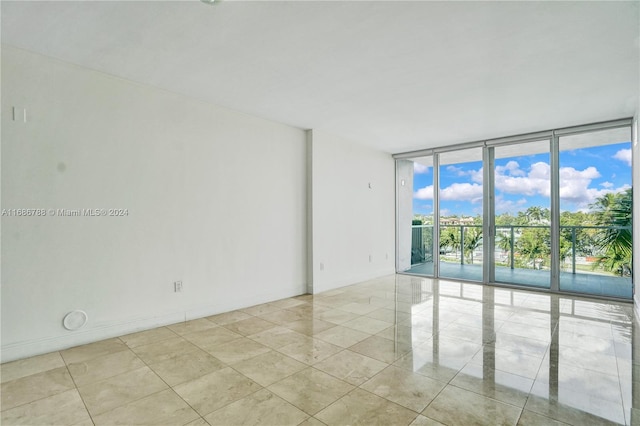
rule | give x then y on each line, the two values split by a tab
422	241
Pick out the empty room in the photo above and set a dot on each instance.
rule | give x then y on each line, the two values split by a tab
319	213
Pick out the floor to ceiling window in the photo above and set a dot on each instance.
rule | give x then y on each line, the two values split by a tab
460	219
595	212
417	209
522	189
550	210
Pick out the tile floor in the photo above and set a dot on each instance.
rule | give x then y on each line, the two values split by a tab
397	350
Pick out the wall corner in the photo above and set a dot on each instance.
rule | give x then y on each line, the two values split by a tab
309	206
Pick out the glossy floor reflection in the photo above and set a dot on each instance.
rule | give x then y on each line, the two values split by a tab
397	350
581	282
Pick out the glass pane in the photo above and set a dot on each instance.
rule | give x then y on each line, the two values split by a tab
522	207
416	215
596	213
461	214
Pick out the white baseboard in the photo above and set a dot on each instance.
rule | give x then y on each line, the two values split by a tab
28	348
350	280
24	349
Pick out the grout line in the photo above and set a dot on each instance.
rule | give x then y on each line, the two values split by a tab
77	389
312	317
160	377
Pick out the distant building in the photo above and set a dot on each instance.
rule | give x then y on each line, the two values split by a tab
453	221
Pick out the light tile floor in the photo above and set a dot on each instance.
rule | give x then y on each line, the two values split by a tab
397	350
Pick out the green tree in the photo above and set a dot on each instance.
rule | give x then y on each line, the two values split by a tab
565	249
450	238
578	223
505	243
521	219
472	240
505	219
603	207
532	245
615	211
534	214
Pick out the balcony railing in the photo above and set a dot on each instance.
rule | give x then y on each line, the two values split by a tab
578	244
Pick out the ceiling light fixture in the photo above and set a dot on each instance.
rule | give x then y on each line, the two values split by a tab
210	1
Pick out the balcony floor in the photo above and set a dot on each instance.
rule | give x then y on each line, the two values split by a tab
601	285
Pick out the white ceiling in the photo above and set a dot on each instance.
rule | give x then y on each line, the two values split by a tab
396	76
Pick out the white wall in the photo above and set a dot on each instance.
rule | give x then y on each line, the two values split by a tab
215	198
353	224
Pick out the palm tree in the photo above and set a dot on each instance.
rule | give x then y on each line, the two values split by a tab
450	238
504	243
616	241
603	206
532	245
566	247
534	214
472	241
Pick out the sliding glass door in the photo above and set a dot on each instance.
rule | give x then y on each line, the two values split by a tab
595	219
550	210
522	238
460	220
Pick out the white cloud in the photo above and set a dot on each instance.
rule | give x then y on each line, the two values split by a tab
574	185
420	168
535	182
624	155
510	206
456	192
425	193
457	170
512	168
510	179
476	175
462	192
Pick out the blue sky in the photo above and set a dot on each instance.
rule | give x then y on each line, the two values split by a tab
522	182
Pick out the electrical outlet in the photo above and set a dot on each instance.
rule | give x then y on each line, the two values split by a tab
321	266
177	286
